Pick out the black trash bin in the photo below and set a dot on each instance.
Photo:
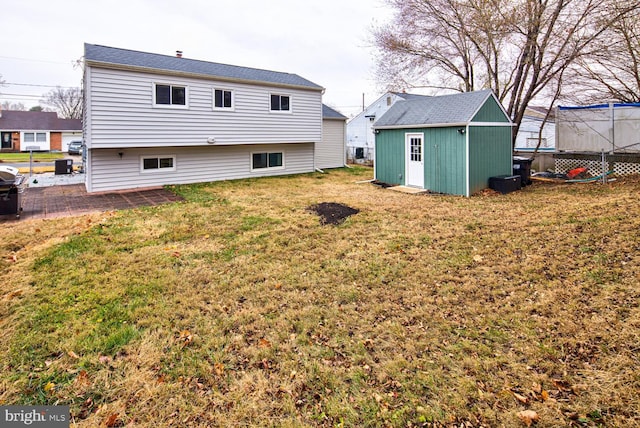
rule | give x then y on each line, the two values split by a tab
505	183
63	166
522	167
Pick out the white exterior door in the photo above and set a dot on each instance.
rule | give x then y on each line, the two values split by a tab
415	160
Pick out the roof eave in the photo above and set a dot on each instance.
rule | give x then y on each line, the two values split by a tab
151	70
424	125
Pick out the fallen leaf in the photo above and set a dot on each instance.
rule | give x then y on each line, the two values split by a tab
277	286
536	388
73	355
477	258
562	385
520	398
112	421
218	369
544	395
49	386
264	343
528	417
185	337
82	380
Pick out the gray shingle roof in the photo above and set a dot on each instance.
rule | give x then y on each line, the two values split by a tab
329	113
440	110
94	54
12	120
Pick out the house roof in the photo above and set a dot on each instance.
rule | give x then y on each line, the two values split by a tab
540	113
12	120
329	113
406	96
97	55
440	110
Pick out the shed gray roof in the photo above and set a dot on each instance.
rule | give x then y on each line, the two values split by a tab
329	113
13	120
115	57
439	110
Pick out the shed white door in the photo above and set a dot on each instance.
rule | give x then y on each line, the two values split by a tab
415	160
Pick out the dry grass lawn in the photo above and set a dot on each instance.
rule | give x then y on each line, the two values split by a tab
238	308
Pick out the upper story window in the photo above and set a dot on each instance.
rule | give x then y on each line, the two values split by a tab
223	99
166	95
280	102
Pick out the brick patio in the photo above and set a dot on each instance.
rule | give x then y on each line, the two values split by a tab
64	201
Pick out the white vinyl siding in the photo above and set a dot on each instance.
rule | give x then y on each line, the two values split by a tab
121	113
331	152
109	171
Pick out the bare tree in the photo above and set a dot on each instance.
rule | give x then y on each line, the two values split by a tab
8	105
518	48
67	102
612	71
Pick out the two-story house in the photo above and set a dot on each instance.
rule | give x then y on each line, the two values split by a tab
153	120
361	139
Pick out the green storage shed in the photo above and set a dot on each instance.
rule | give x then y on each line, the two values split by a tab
446	144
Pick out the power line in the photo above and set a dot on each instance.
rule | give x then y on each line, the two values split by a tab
39	86
3	94
38	60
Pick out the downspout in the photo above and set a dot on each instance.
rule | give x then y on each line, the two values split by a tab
468	163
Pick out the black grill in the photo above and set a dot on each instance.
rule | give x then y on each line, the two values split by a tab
11	191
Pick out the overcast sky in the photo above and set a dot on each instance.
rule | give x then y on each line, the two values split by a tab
327	42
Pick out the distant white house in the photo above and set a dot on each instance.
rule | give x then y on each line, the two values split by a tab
529	132
360	134
613	127
152	120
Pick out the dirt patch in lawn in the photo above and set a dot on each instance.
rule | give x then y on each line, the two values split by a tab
332	212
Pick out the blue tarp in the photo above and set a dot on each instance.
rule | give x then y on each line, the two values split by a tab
599	106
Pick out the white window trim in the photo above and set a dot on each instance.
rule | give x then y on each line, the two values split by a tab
35	140
233	99
171	106
268	168
281	111
156	170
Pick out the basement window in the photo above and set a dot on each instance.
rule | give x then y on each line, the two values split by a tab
274	160
157	163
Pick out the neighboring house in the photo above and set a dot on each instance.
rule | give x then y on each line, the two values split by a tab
37	131
610	127
529	132
332	152
360	136
153	120
601	138
447	144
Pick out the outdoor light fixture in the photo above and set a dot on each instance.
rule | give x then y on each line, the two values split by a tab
120	154
211	140
461	130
